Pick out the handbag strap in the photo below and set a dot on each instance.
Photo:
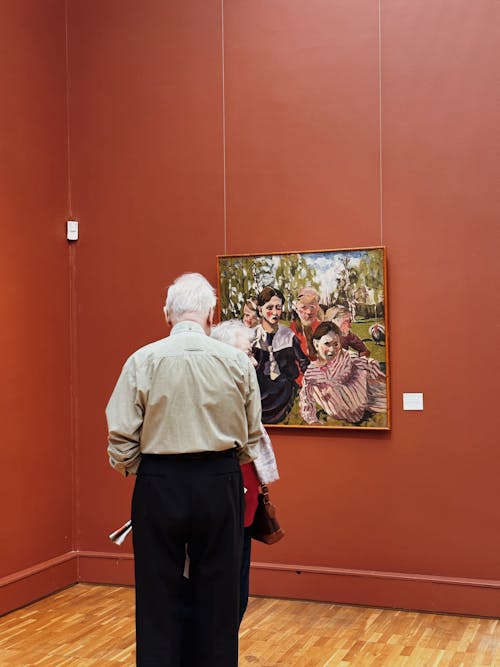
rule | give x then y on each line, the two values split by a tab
265	494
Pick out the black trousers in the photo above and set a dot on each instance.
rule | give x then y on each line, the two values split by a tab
245	570
195	500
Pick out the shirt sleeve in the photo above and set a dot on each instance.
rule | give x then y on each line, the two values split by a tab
124	414
254	415
265	463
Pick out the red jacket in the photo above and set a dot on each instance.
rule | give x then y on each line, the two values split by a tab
251	484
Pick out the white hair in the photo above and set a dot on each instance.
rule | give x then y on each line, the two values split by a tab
230	331
190	293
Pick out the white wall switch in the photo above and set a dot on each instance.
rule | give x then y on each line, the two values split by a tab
413	401
72	230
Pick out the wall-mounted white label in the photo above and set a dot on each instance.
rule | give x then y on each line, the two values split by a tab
72	230
413	401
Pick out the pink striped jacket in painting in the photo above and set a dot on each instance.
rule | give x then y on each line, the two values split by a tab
344	388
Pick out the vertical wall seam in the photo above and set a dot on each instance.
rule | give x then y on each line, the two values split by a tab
68	151
380	168
223	83
73	319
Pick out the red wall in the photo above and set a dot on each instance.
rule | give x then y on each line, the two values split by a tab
339	127
146	134
323	150
36	487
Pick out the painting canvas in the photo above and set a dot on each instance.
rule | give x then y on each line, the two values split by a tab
319	334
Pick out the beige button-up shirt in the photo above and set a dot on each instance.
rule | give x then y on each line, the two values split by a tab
183	394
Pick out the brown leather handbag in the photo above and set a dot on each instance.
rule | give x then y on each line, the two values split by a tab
265	526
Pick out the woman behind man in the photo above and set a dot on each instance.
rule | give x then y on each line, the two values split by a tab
262	470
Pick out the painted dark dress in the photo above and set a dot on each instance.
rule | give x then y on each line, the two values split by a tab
280	362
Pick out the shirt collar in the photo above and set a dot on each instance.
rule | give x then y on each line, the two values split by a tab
187	325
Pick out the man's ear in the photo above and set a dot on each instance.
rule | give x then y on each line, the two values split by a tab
167	319
208	322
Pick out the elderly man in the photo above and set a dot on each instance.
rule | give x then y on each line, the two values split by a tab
184	414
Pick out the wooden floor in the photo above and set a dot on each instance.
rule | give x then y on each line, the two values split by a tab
90	625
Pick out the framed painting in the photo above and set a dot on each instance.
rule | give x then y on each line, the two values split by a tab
319	333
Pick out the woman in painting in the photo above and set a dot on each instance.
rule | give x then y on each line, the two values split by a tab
343	319
306	319
344	387
280	359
